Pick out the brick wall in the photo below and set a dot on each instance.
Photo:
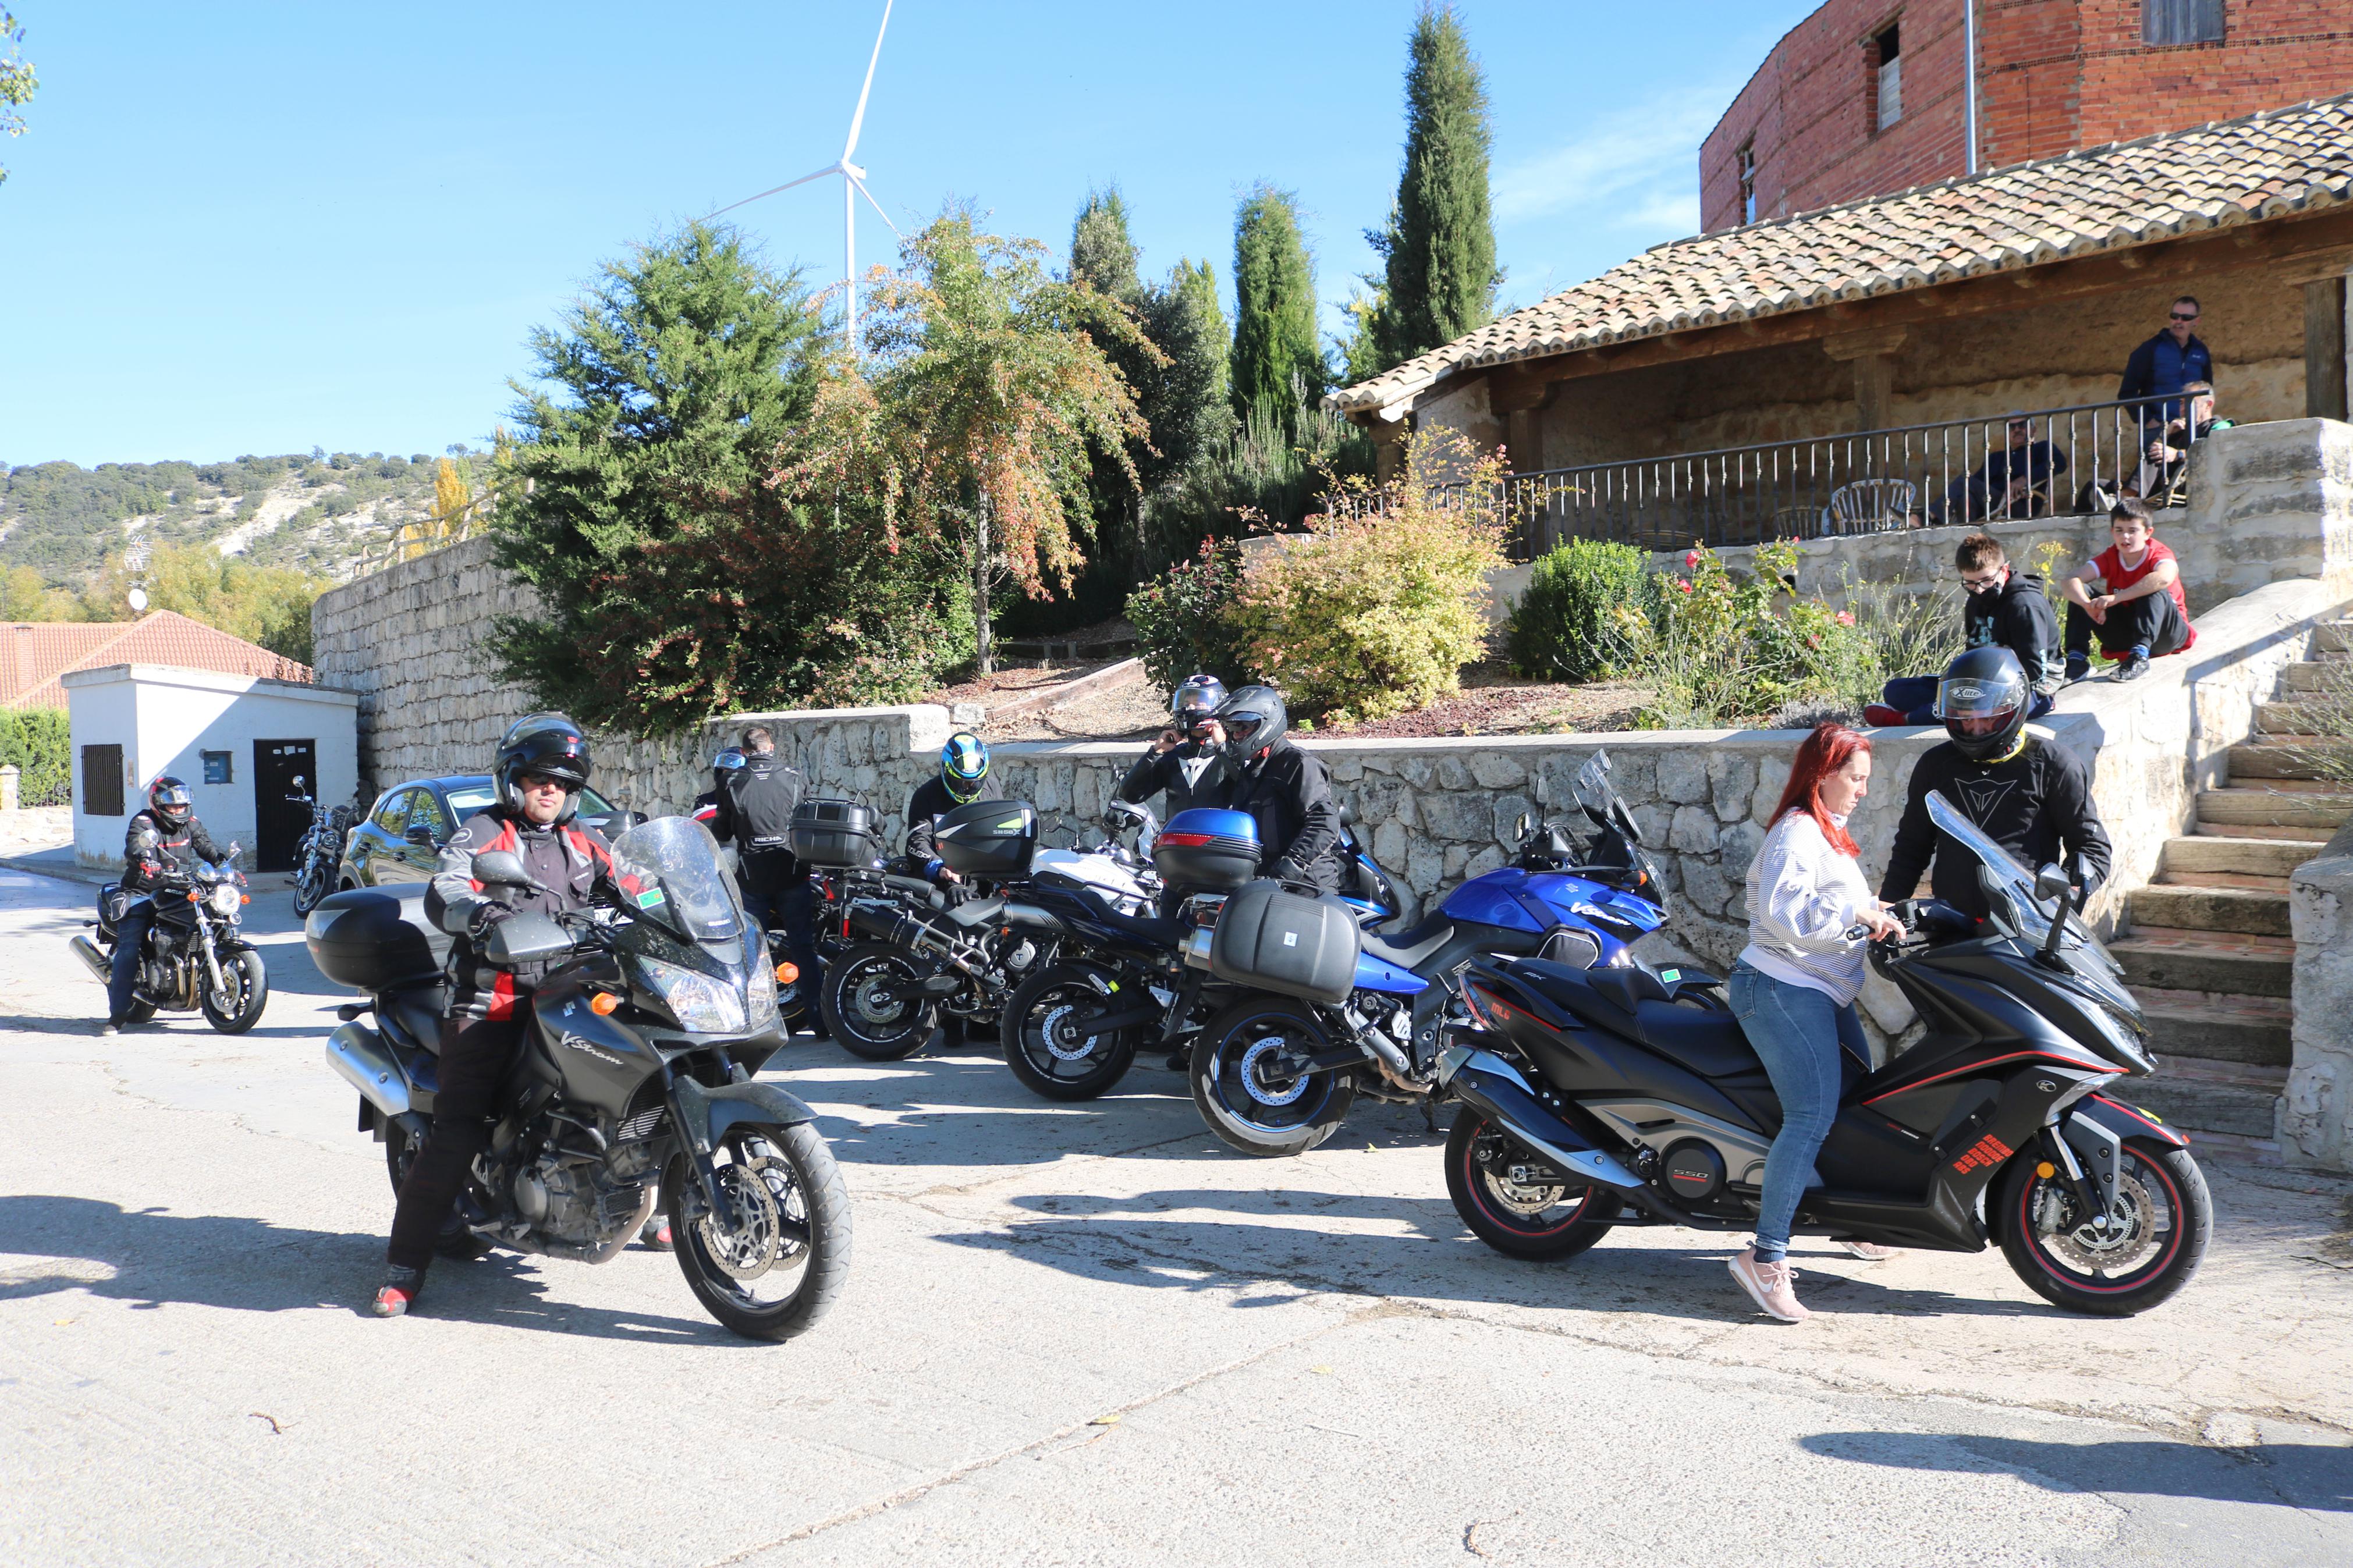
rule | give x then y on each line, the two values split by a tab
2054	75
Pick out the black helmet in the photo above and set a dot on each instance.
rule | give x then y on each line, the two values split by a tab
964	763
1254	719
546	744
1198	698
1983	700
169	799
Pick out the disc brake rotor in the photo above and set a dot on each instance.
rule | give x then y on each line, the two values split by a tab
1526	1200
2131	1234
1058	1030
1254	1065
751	1246
876	1003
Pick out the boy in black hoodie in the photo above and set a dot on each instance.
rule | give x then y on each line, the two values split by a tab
2005	608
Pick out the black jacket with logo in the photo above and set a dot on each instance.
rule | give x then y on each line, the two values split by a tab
2018	616
2037	805
572	861
152	851
755	807
1287	795
1193	775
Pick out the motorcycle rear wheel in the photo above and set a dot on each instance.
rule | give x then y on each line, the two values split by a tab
1541	1224
792	1230
1038	1019
243	969
1240	1085
2167	1217
860	1014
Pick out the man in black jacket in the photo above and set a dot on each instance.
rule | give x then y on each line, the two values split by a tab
2003	608
1187	763
754	812
163	841
2030	796
963	778
1284	790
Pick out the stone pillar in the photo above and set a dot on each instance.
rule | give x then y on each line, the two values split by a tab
1872	352
2316	1119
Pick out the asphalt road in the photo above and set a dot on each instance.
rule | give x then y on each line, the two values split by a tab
1074	1334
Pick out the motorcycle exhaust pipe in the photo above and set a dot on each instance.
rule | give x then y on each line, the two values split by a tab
361	1058
916	935
1489	1084
100	964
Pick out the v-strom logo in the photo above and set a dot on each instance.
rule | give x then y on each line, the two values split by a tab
576	1043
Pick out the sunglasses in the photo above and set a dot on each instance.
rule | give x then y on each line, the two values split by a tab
2179	316
541	780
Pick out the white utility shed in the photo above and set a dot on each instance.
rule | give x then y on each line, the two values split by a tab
238	742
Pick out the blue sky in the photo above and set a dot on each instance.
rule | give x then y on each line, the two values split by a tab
259	228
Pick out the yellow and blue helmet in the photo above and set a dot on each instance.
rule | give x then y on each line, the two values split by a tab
964	763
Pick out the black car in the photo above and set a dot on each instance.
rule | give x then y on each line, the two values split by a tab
400	838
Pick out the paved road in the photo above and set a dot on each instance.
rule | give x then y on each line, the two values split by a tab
1074	1334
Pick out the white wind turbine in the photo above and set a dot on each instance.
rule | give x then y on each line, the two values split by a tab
853	185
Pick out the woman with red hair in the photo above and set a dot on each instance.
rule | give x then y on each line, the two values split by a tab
1794	986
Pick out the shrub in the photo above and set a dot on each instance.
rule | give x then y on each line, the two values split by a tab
37	741
1566	625
1182	618
1380	605
1722	650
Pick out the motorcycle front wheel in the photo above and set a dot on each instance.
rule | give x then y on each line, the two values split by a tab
311	885
1249	1074
1048	1044
248	991
1543	1221
2155	1235
770	1270
867	1003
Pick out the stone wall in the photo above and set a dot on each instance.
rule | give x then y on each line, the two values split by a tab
2317	1126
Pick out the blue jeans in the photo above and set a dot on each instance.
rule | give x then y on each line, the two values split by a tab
1916	696
130	950
1797	1032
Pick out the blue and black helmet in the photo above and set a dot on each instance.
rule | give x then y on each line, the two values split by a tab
964	763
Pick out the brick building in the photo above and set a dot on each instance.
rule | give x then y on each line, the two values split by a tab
1867	97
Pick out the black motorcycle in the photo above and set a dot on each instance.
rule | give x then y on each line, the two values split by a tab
633	1087
196	958
1592	1100
320	853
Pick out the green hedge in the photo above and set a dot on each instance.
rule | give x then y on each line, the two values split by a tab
1566	626
35	740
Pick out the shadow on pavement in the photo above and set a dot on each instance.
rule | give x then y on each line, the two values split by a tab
2300	1475
247	1265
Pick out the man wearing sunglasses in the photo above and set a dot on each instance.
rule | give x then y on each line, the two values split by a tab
2168	362
2002	608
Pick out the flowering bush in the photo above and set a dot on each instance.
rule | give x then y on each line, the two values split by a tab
1183	618
1719	649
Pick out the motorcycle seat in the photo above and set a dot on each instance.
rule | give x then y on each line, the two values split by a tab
1149	929
1636	1005
1409	948
416	1014
974	913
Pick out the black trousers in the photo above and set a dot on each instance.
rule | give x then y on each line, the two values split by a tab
475	1053
777	894
2153	623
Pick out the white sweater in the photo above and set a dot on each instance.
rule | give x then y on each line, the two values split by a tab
1803	895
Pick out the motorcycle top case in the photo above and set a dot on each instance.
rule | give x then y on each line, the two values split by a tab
835	833
992	838
1271	939
371	939
1205	847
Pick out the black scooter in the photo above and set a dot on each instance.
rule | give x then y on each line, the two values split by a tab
1592	1099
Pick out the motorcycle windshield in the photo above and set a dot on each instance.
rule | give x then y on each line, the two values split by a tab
2011	900
670	874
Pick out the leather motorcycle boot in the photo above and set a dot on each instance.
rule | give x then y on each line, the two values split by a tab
398	1291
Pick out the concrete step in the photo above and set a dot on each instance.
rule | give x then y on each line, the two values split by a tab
2232	964
2250	1030
2332	674
2275	806
2254	882
2280	832
2244	910
2184	857
2212	1097
2285	756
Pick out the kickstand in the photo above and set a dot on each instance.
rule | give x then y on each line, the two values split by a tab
1429	1114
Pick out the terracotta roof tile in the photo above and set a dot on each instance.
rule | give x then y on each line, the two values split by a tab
2280	161
38	652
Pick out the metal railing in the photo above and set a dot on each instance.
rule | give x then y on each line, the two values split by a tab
1918	475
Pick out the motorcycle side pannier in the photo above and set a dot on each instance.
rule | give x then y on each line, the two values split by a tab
835	833
991	839
1207	848
371	939
1272	938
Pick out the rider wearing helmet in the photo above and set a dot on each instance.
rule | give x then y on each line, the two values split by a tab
165	840
1187	762
724	766
542	763
1284	790
962	779
2031	796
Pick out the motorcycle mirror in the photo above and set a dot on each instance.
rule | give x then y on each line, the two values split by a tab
524	939
299	781
503	869
2050	882
1522	828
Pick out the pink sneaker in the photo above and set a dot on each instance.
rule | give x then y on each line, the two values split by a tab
1771	1285
1871	1251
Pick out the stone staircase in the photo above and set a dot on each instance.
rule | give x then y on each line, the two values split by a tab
2208	951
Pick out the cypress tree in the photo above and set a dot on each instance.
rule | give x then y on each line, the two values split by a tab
1274	325
1103	255
1441	240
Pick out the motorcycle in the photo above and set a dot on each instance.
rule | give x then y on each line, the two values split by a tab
633	1086
1592	1100
321	854
196	958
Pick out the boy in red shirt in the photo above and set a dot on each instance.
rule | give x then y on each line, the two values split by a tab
2140	612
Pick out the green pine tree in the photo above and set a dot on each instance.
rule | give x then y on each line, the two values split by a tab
1103	255
1277	361
1440	237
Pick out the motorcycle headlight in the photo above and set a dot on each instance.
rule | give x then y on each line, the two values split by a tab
226	900
698	1003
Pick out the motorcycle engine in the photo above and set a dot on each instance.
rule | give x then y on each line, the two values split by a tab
1694	1170
570	1199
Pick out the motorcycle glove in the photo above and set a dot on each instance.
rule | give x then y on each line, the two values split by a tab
487	913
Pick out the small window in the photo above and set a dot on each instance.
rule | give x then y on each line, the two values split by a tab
2181	21
101	781
216	768
1746	161
428	811
1889	48
392	811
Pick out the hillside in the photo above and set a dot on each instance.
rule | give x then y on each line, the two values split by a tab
314	512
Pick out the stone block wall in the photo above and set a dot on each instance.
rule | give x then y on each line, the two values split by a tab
2316	1125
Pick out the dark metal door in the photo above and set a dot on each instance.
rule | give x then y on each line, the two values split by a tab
278	823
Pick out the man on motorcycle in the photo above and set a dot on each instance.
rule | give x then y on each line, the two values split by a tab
1187	762
165	840
755	806
2032	797
964	778
1284	790
541	765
